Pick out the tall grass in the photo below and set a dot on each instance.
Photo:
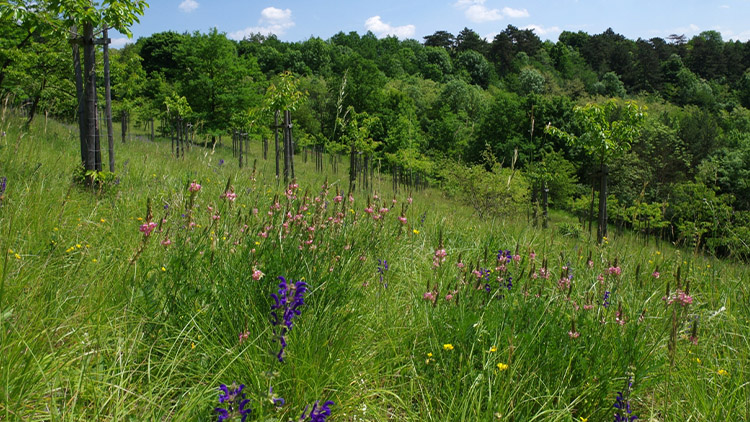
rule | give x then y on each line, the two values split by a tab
101	322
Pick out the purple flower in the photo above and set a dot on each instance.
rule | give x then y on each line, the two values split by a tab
221	161
605	302
382	268
287	302
234	402
317	414
623	412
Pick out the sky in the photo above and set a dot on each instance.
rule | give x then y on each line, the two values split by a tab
298	20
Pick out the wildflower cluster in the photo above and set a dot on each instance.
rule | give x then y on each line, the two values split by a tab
382	269
234	402
287	302
317	414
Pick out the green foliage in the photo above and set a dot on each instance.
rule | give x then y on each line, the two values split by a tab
497	192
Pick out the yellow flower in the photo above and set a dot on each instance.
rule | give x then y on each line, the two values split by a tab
448	346
78	245
722	372
257	243
658	252
163	269
501	366
351	210
139	218
101	220
415	231
698	360
192	345
94	260
584	419
429	355
17	256
493	349
55	229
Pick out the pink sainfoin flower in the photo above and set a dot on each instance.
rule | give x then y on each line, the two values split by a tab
383	210
439	257
679	296
194	187
516	258
655	274
147	228
429	296
166	242
532	255
257	274
614	270
600	278
402	219
590	263
573	334
544	273
409	200
338	198
369	210
460	265
229	195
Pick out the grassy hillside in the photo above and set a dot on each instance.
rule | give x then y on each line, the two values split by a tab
103	317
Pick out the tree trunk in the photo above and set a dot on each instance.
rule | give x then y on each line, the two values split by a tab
291	143
108	104
276	140
79	95
601	231
287	147
89	71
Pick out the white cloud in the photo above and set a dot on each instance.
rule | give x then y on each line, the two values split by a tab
382	29
272	21
515	13
724	6
542	31
188	6
118	42
477	12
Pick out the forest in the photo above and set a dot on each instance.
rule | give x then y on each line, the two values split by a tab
455	111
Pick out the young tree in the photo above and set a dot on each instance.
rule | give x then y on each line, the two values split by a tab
80	19
608	132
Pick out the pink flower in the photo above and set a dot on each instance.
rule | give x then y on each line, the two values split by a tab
516	258
655	274
369	210
532	255
614	270
257	274
448	297
338	198
166	242
574	334
429	296
147	228
460	265
194	187
402	219
409	200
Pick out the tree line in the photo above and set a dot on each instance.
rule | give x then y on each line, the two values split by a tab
456	100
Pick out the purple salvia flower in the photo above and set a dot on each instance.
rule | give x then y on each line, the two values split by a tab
287	302
317	414
234	402
605	302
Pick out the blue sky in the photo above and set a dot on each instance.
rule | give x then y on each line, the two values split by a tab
297	20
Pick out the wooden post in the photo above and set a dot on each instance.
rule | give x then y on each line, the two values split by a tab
291	141
81	102
276	140
108	105
124	125
89	72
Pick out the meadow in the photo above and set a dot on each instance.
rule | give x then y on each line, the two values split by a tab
139	300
